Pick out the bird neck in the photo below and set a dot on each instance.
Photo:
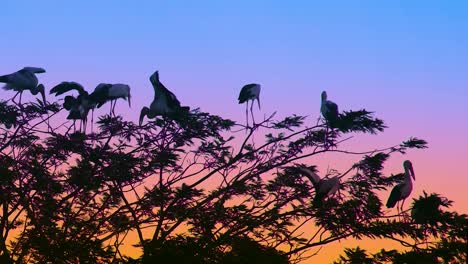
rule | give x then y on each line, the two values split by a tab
408	176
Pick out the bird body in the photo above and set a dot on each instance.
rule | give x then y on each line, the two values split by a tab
329	110
402	190
323	187
79	106
250	92
164	103
24	79
106	92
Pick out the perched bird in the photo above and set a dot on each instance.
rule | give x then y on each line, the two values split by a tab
79	106
329	110
77	111
323	187
402	190
165	103
249	92
106	92
24	79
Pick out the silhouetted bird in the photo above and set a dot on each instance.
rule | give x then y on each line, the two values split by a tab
24	79
402	190
106	92
329	111
77	106
77	111
165	103
250	92
323	187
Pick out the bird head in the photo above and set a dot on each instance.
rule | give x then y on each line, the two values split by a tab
324	95
144	112
154	78
409	168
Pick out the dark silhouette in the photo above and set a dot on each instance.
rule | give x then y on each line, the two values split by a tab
106	92
250	92
329	111
165	103
190	195
24	79
402	190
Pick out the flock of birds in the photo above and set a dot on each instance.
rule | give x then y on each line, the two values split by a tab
165	103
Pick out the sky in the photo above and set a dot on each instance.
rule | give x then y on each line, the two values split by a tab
405	60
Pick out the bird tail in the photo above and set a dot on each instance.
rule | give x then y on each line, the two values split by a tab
4	78
391	203
7	87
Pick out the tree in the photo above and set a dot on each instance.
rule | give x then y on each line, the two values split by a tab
198	189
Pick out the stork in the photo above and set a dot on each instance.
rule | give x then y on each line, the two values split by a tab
402	190
249	92
323	187
164	103
24	79
329	110
106	92
77	110
78	107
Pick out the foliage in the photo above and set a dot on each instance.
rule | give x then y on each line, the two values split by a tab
196	190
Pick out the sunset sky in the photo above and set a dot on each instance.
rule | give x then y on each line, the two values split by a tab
405	60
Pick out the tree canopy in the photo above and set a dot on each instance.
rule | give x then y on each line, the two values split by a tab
200	188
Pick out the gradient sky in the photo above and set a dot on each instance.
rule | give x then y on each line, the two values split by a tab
405	60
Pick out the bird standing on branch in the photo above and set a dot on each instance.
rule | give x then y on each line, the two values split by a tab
78	107
24	79
402	190
329	111
106	92
250	92
165	103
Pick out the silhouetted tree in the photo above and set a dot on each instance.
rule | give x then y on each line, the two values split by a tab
198	189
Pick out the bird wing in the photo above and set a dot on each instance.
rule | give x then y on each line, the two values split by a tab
100	94
170	97
64	87
246	93
20	80
34	69
394	197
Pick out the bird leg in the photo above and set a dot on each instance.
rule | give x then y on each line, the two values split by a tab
92	120
251	112
21	94
401	210
113	108
13	99
247	114
110	109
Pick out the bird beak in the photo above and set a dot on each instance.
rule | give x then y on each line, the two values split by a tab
41	89
258	100
142	116
412	171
